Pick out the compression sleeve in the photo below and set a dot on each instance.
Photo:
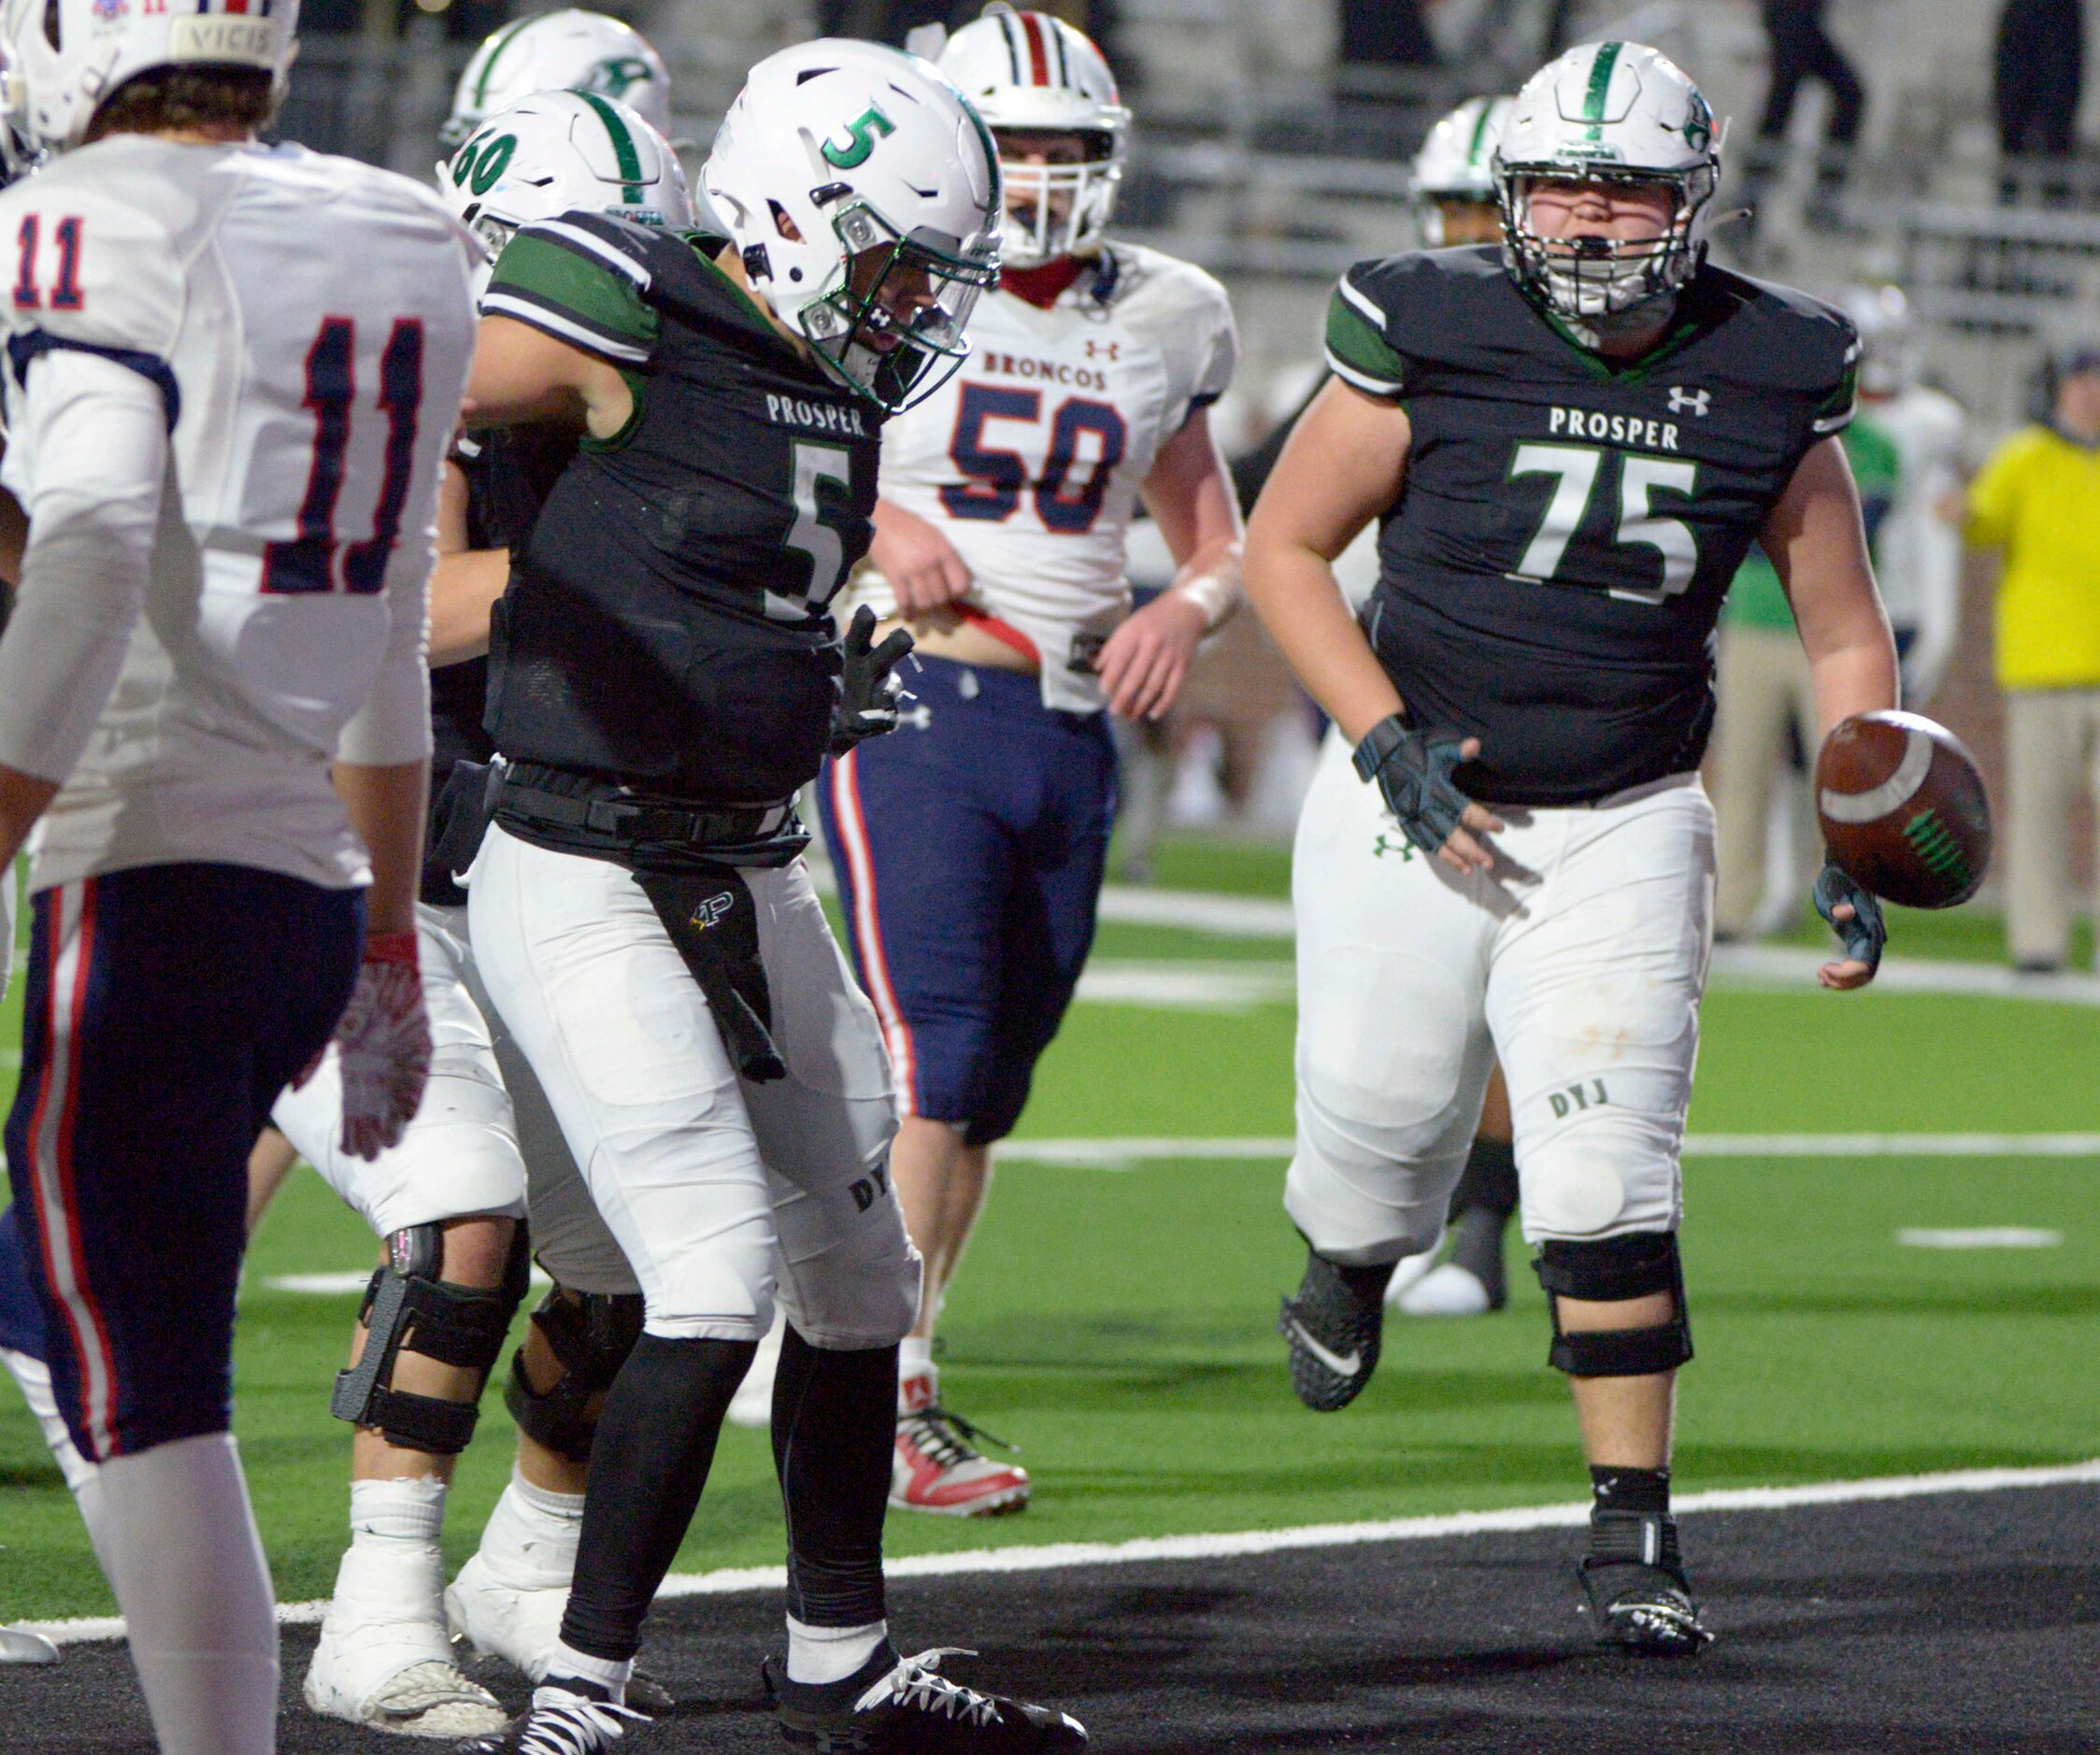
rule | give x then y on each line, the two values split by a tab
94	434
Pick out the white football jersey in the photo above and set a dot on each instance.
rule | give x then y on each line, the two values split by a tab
307	323
1031	457
1917	553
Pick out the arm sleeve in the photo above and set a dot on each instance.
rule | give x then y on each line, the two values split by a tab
94	435
1357	351
579	286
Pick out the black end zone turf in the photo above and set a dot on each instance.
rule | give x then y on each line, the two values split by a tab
1964	1624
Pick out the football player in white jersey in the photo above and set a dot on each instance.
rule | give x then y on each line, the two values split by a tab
228	447
970	845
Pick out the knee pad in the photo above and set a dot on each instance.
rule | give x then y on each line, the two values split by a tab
861	1291
1365	1194
406	1305
590	1335
1612	1270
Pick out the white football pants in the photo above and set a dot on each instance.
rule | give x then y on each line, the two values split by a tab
721	1192
1580	961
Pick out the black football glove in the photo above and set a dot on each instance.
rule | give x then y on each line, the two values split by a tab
1866	935
1413	770
869	688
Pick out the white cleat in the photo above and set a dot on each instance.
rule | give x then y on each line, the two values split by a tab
1448	1290
384	1661
500	1621
1409	1272
18	1645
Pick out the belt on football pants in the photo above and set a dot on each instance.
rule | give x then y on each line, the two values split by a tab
611	820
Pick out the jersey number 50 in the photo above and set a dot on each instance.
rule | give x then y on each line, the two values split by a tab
994	478
308	562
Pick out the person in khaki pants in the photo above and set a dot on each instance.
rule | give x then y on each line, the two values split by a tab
2037	499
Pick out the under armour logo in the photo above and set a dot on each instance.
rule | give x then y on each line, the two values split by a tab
1103	350
710	911
1695	400
1392	844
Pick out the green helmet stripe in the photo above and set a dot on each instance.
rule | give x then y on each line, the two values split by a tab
1601	71
629	161
498	44
1480	140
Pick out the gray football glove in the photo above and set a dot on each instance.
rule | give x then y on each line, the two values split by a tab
1412	769
869	688
1866	935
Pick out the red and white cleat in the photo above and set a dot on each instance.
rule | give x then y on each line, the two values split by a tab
936	1467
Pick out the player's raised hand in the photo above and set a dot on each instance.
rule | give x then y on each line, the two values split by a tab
1412	770
1855	916
869	688
1143	663
382	1043
918	561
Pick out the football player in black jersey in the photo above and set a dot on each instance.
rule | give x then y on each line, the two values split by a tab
664	673
1569	442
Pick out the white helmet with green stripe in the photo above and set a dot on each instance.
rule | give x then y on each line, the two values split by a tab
571	50
1456	161
1614	112
560	150
862	191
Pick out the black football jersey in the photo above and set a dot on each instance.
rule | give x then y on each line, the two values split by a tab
1550	574
667	621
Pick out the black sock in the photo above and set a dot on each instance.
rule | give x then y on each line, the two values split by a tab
1479	1251
1645	1492
648	1463
834	1423
1490	1181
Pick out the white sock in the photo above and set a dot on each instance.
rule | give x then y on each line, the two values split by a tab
915	1364
817	1655
609	1674
187	1564
396	1515
33	1377
531	1538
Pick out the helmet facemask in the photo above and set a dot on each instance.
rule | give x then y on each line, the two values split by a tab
1056	210
889	322
1585	278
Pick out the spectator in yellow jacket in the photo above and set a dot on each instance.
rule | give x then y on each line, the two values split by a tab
2039	500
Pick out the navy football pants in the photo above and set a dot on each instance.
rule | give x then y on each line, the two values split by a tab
167	1006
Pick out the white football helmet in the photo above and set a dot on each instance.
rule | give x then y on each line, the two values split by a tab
558	150
1619	112
1456	162
1030	72
71	55
862	191
1888	336
571	50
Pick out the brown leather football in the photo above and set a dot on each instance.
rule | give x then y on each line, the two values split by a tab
1903	809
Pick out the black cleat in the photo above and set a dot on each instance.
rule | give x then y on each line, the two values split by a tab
1332	1328
567	1718
905	1706
1635	1586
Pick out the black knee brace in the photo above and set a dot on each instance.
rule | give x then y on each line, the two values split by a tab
407	1305
589	1334
1612	1271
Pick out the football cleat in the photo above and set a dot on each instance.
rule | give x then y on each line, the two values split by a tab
567	1717
1448	1290
905	1706
521	1626
384	1661
18	1645
1635	1585
1331	1328
936	1466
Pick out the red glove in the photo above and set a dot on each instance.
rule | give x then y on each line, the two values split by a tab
383	1044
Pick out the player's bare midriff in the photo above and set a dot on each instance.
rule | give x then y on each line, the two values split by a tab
944	634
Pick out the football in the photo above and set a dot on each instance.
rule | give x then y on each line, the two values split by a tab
1903	809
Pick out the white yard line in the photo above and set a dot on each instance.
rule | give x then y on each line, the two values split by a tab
1242	1544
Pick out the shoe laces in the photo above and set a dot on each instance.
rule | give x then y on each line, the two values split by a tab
563	1723
917	1686
947	1437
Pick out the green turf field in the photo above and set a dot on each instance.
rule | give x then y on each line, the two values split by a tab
1118	1322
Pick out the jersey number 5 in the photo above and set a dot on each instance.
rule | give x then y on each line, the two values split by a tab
1576	468
308	562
